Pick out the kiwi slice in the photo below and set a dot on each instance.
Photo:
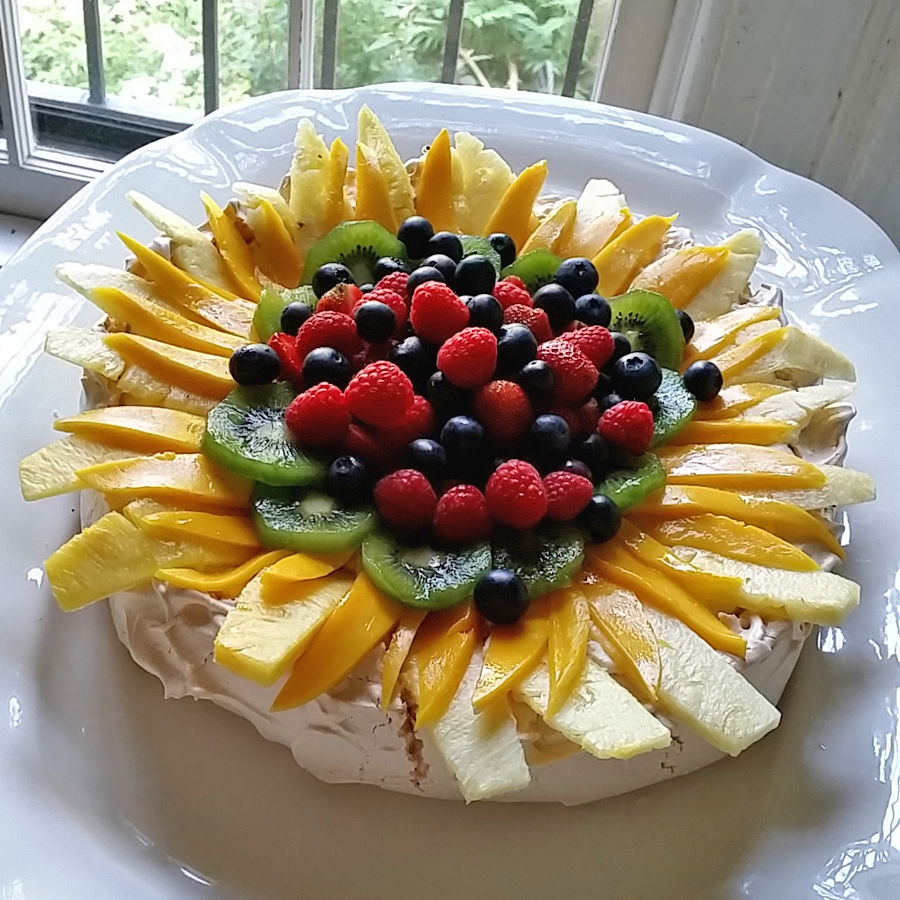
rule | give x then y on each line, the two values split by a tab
308	520
545	559
651	324
536	268
357	245
628	487
423	577
673	406
246	434
473	245
272	301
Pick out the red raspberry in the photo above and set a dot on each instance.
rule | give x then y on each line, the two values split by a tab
437	313
575	376
512	292
405	499
567	495
515	494
535	319
504	410
628	424
328	329
375	352
319	417
418	422
286	348
469	358
389	298
588	417
462	516
362	443
380	394
396	281
340	298
514	279
595	342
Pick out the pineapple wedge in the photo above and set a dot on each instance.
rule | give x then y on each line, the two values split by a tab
374	135
480	179
798	406
600	215
84	347
843	487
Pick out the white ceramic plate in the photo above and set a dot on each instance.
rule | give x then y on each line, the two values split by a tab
107	791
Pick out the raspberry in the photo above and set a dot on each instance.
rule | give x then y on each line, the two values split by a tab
380	394
469	358
405	499
437	313
375	352
396	282
286	348
389	298
595	342
535	319
328	329
515	494
512	292
628	424
362	443
568	415
341	298
588	417
567	495
462	516
504	410
319	417
574	375
418	422
514	279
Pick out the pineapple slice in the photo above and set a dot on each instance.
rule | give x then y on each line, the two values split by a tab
372	133
843	487
600	217
140	388
554	230
480	179
799	406
144	429
275	233
84	348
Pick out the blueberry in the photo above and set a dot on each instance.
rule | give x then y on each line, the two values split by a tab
415	233
501	597
366	288
621	346
348	480
443	263
636	376
601	518
592	309
293	316
447	399
549	437
576	467
595	453
328	276
609	401
536	379
505	247
447	243
557	302
577	275
387	265
604	386
463	439
254	364
516	347
326	364
429	458
421	275
485	311
687	324
374	321
413	357
474	275
703	379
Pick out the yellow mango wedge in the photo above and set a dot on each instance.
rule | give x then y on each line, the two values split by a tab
233	249
357	624
397	650
515	210
373	199
600	216
278	579
736	431
715	335
681	275
224	583
622	258
736	360
480	178
555	229
373	134
274	252
434	190
200	527
84	347
566	645
143	429
732	401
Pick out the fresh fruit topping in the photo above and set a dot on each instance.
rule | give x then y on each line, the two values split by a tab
415	233
319	417
629	425
510	292
516	347
687	324
601	518
326	364
505	247
592	309
341	298
387	265
501	597
545	559
286	348
272	301
515	494
428	457
503	408
328	276
349	480
577	275
485	311
621	347
567	495
391	299
577	467
414	358
474	275
534	319
595	453
703	379
447	244
366	288
380	394
437	313
636	376
361	442
535	269
355	245
293	316
588	415
476	245
651	324
536	379
374	321
443	263
673	406
558	303
418	422
396	282
462	516
594	341
514	279
421	276
254	364
406	500
629	487
447	399
609	401
548	438
469	358
329	329
575	376
463	439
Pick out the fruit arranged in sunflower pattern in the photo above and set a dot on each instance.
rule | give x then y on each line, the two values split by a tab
405	411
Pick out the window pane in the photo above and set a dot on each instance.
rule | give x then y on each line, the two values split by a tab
253	48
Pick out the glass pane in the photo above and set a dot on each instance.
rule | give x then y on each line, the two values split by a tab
253	48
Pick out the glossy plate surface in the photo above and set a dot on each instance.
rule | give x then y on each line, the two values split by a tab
108	792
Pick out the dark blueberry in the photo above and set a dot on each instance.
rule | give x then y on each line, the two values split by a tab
474	275
463	439
516	347
443	263
577	467
326	364
414	234
601	517
501	596
421	275
687	324
366	288
329	275
413	357
592	309
387	265
609	401
505	247
703	379
447	399
549	437
374	321
595	453
636	376
348	480
485	311
557	302
293	316
577	275
604	386
429	458
621	346
254	364
536	379
448	243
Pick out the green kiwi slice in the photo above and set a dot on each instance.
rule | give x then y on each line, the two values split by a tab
308	520
473	245
246	434
536	268
423	577
673	406
357	245
545	559
651	324
628	487
272	301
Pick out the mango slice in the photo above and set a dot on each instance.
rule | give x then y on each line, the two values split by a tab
566	645
480	178
233	249
357	624
373	134
554	231
373	199
681	275
621	259
225	583
84	347
843	487
735	399
274	252
763	432
600	216
514	212
201	527
434	190
715	335
397	651
300	567
721	294
737	359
